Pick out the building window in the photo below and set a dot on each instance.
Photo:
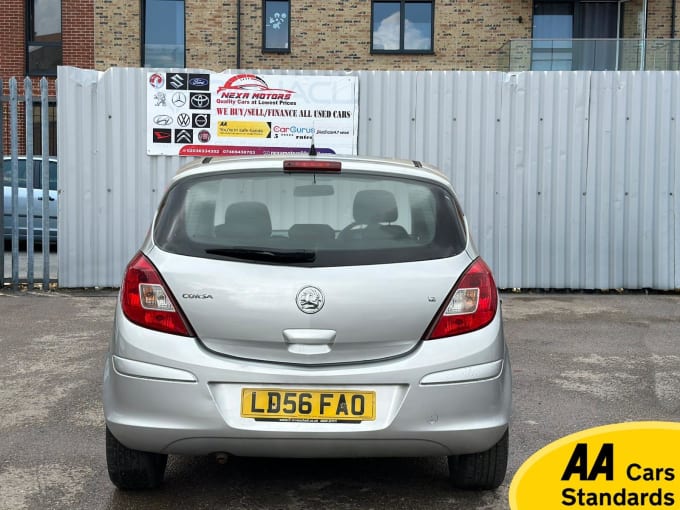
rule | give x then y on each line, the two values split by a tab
572	35
276	26
406	26
52	126
163	33
43	37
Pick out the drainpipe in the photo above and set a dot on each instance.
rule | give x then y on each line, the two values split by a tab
673	20
238	34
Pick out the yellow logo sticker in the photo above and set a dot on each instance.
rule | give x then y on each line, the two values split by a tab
627	465
243	129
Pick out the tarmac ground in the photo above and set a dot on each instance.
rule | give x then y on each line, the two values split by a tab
579	360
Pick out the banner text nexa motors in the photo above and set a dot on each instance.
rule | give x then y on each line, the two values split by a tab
205	114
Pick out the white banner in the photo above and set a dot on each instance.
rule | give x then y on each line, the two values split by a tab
205	114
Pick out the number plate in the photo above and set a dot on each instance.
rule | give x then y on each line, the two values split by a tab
316	406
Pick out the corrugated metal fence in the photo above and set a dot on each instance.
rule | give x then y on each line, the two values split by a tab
568	178
25	183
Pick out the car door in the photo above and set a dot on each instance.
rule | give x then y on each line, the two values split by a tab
38	199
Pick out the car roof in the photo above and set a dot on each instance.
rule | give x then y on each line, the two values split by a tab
398	167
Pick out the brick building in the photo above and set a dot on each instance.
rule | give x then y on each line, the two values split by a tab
38	35
35	37
342	34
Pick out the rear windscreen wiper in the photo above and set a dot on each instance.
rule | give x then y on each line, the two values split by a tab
266	255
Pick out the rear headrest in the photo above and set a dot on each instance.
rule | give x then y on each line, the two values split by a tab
374	206
311	231
246	219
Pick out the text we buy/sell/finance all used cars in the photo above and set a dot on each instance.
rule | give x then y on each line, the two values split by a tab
308	307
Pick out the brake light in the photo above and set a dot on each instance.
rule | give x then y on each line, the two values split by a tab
146	300
311	166
472	304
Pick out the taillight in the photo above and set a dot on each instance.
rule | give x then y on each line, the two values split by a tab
472	303
146	300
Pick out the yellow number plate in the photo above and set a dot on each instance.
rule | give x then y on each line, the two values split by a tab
316	406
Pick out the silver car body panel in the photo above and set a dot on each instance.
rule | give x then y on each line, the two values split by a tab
22	201
374	313
414	417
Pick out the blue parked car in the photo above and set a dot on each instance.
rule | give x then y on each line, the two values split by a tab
37	199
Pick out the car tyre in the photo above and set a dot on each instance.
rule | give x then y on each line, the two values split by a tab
480	471
133	469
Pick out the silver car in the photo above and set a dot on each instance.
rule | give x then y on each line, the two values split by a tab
22	199
308	307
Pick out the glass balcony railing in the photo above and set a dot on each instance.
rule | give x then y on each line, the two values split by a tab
590	55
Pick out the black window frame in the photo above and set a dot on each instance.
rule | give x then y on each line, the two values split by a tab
265	48
142	48
29	41
402	21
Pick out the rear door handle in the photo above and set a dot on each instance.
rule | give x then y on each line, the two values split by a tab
51	199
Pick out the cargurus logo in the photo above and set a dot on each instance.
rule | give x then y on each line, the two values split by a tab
294	130
302	130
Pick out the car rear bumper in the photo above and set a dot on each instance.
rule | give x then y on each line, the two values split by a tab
164	393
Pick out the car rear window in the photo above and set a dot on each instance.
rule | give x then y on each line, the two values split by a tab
320	219
37	173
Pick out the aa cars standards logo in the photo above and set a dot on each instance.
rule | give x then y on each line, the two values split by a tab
626	465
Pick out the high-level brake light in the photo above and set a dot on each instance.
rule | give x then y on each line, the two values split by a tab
293	165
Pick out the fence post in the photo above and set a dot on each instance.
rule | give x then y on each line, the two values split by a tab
45	148
14	152
30	206
2	197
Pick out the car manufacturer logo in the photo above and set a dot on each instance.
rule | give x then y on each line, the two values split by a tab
159	99
162	120
183	119
199	81
162	135
310	299
201	120
184	136
156	80
179	99
177	81
200	101
204	136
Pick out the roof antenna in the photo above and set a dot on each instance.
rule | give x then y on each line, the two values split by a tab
312	149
